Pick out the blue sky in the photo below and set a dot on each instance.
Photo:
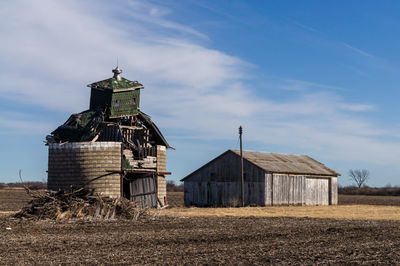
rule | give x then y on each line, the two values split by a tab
306	77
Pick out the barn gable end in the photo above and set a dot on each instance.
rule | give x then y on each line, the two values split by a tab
218	183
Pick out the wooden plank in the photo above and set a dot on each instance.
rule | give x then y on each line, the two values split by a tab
334	191
317	191
143	191
164	173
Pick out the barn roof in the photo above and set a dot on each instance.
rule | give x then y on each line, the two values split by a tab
281	163
286	163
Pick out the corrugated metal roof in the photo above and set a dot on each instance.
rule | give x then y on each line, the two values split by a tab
286	163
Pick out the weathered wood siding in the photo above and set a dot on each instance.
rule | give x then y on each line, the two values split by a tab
268	189
286	189
161	180
219	184
317	191
143	191
334	191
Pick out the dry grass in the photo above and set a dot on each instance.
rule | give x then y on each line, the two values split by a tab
354	212
13	200
356	207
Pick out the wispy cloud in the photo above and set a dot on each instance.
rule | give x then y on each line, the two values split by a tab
190	89
357	107
301	25
357	50
148	13
302	85
49	51
325	37
17	123
316	124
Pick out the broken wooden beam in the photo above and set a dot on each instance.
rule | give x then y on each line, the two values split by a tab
164	173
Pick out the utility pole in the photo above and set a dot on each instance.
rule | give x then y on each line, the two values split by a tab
241	163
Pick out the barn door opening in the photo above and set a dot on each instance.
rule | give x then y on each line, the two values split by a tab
126	191
143	189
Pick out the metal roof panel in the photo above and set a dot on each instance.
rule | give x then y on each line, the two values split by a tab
286	163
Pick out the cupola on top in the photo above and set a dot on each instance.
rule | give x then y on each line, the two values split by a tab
116	96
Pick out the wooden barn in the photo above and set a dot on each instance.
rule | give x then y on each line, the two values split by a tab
269	179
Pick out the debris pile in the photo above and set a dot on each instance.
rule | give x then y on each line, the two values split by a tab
79	203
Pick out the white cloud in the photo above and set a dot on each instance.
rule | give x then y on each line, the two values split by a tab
357	107
324	36
315	123
56	46
17	123
52	51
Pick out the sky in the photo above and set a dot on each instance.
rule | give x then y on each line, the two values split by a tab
319	78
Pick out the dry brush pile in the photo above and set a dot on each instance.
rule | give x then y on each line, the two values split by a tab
79	203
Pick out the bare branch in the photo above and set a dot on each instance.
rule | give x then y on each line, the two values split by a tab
27	189
358	176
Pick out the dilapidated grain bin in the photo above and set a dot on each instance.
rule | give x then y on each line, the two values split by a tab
113	147
270	179
92	165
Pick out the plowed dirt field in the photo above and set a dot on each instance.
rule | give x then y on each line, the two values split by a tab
198	240
173	240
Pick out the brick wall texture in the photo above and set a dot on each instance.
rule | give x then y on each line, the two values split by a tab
85	164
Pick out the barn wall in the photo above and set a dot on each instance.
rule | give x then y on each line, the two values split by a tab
284	189
317	191
219	184
268	189
334	191
85	164
161	180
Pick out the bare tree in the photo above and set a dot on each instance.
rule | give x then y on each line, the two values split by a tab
359	176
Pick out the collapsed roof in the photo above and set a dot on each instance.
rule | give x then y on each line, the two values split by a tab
85	126
78	127
113	115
